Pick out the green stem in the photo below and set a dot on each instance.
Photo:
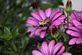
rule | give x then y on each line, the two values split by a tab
55	38
62	35
68	20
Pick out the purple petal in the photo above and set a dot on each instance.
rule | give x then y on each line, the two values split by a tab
32	22
74	28
37	32
32	18
51	47
71	21
48	12
61	18
74	14
77	23
43	33
30	29
72	41
81	15
44	48
42	14
79	40
56	16
61	50
73	33
43	28
35	52
80	27
58	21
31	34
67	53
51	26
36	15
57	47
53	13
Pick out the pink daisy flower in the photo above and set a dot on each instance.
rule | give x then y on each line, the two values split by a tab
51	49
75	27
43	20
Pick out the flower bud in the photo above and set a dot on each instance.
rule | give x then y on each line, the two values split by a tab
68	6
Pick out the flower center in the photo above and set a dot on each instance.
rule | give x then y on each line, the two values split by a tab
44	22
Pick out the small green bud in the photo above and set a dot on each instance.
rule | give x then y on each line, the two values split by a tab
68	6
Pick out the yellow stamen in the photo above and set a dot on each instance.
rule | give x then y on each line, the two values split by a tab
43	22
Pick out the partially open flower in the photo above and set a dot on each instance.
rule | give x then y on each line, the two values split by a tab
43	20
75	27
51	49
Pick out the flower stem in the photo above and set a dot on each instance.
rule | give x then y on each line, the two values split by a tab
68	20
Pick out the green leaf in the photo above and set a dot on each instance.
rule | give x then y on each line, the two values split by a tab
24	41
13	46
7	34
15	32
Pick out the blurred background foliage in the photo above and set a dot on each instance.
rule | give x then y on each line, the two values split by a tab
13	37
